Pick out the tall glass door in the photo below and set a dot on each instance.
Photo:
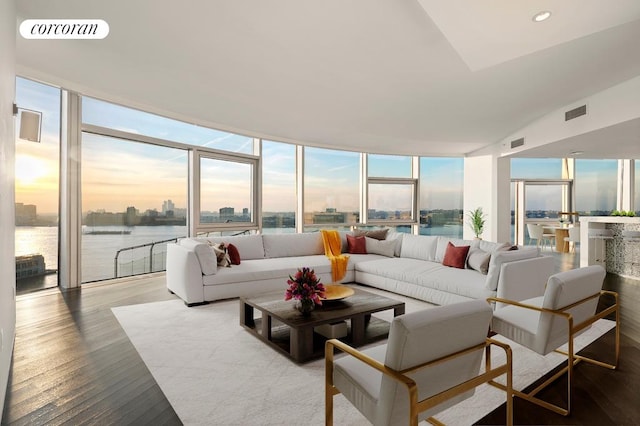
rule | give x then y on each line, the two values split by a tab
540	201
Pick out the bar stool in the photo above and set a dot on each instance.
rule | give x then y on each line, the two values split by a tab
633	238
601	235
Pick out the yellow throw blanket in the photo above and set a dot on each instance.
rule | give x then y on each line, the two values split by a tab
332	249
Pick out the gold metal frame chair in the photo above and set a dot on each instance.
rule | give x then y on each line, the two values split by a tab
415	406
572	358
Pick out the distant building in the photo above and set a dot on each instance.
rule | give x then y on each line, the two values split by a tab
26	214
168	206
226	214
131	217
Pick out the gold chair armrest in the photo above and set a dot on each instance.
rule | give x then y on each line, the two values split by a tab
373	363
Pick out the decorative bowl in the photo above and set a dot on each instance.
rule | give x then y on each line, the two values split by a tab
336	292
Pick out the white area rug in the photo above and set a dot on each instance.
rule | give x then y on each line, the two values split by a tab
213	371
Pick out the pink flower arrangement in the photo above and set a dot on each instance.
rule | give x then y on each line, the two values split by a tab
305	285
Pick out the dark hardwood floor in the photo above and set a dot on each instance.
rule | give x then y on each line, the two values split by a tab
73	363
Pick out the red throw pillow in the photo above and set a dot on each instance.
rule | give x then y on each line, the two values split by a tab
356	245
455	256
234	254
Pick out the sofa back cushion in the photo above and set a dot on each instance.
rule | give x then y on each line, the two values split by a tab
499	257
249	246
204	253
381	247
421	247
289	245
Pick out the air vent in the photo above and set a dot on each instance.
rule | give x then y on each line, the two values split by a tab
516	143
575	113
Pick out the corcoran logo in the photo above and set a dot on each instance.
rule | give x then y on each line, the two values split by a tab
64	29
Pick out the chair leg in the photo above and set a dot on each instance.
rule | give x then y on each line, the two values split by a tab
572	360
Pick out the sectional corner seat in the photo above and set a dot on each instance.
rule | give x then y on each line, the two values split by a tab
405	264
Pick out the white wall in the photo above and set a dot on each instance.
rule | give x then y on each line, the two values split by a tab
487	180
609	107
7	196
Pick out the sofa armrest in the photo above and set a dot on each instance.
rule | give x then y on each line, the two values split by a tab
184	275
524	279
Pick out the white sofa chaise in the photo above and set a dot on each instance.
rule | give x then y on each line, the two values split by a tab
405	264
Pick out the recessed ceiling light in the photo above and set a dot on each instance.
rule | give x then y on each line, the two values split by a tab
541	16
576	153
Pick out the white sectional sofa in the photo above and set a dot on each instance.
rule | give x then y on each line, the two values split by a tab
405	264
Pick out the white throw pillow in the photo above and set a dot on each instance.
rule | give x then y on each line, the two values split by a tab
479	260
397	237
382	247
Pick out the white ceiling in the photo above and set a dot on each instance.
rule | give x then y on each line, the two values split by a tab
420	77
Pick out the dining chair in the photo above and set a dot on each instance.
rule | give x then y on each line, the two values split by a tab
543	324
431	362
536	232
573	238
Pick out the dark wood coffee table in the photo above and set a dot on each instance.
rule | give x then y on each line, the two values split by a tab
287	330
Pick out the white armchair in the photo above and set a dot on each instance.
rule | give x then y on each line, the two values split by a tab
543	324
430	362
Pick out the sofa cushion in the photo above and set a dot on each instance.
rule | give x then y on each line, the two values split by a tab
397	237
356	245
499	257
490	246
249	246
288	245
204	253
463	282
267	269
382	247
377	234
479	260
421	247
455	256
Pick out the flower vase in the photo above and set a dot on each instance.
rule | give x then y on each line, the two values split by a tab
305	306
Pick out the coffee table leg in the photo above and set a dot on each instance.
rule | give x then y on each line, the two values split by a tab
266	325
246	315
357	330
301	343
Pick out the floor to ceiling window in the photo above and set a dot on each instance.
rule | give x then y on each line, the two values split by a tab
544	191
36	188
391	192
441	196
596	187
134	198
227	193
331	188
278	187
